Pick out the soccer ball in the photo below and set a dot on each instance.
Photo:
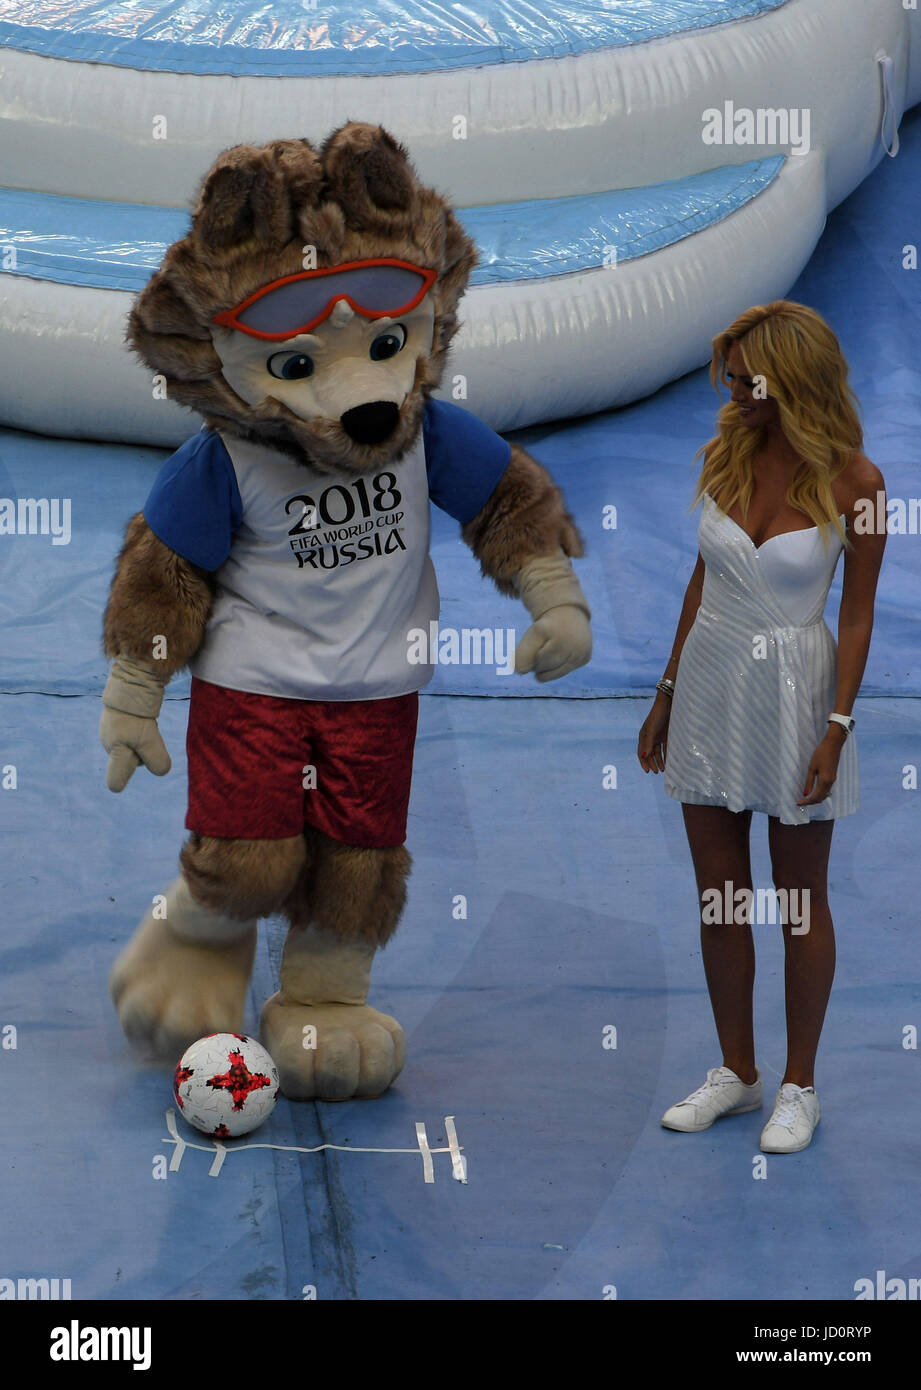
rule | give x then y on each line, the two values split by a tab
226	1084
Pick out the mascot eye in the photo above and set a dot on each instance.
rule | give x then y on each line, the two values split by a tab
290	366
388	344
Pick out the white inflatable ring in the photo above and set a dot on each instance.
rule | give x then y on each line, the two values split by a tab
559	334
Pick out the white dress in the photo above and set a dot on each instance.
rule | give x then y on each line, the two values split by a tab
756	677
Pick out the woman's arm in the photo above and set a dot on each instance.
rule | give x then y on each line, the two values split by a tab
858	595
855	628
656	722
688	610
686	621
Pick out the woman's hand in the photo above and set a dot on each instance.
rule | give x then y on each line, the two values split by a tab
823	767
653	740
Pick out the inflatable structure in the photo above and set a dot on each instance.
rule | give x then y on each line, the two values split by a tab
633	175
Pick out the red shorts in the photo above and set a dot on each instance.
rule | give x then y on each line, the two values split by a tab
250	756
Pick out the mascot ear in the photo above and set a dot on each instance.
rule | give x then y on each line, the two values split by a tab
159	309
246	196
368	174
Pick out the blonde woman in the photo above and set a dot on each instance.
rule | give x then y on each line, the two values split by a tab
753	712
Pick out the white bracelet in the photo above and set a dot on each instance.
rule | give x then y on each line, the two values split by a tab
845	720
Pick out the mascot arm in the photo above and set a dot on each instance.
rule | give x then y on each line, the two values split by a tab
155	621
523	538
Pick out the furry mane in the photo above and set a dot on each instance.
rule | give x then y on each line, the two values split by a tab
257	210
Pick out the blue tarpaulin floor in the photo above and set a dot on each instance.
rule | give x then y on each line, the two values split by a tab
581	918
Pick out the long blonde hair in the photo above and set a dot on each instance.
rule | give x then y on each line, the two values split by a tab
798	355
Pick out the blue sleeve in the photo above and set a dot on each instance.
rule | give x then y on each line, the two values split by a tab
194	505
464	459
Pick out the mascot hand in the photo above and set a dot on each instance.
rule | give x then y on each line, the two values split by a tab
560	638
559	642
128	727
130	740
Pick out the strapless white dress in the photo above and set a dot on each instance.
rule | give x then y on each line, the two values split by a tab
756	678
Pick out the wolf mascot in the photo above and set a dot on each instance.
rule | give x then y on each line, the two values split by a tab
282	555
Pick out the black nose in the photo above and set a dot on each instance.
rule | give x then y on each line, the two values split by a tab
371	423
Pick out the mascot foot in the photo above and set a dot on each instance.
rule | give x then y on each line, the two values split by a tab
332	1051
327	1043
181	978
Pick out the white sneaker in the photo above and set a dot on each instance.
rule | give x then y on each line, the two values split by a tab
792	1125
721	1094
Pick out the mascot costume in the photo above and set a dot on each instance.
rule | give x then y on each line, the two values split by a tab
282	555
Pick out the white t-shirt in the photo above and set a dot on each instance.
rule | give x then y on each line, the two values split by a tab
320	579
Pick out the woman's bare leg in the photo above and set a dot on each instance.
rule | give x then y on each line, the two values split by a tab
799	857
719	845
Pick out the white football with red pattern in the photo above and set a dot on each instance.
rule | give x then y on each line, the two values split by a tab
226	1084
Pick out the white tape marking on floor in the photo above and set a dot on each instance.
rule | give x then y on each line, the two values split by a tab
180	1143
458	1162
219	1156
428	1169
220	1151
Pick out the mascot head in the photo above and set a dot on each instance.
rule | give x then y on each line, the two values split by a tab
311	304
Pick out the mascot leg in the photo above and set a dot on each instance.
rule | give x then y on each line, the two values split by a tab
185	971
326	1041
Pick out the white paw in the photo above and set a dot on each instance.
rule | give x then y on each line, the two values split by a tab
169	992
332	1051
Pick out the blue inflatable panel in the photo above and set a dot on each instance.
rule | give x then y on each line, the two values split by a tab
294	38
556	236
117	246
